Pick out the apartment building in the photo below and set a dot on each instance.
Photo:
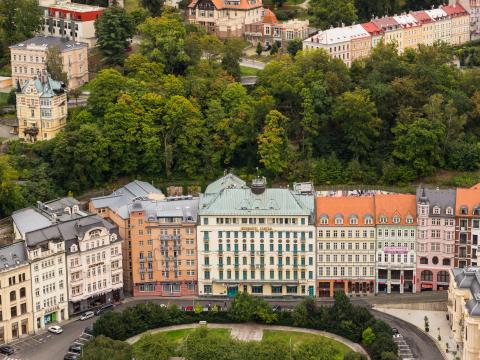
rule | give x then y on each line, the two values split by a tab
256	239
473	8
28	60
164	256
412	30
41	109
392	31
435	237
16	315
464	310
72	21
345	245
225	18
111	207
336	42
467	229
460	23
396	219
442	23
94	262
375	32
428	26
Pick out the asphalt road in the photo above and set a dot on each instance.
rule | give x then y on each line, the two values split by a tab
422	346
46	346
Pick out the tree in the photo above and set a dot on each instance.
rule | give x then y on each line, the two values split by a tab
315	350
104	348
154	7
259	49
19	20
368	336
274	49
232	55
326	13
10	194
273	144
114	28
54	64
154	347
294	46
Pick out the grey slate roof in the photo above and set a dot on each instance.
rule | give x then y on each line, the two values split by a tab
231	196
442	198
124	195
49	41
30	219
13	255
67	231
58	205
469	278
186	208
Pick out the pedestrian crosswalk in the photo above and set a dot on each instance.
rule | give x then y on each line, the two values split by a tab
404	351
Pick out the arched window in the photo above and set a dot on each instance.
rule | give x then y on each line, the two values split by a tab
94	233
13	295
426	275
338	220
353	220
368	220
324	220
449	211
476	211
464	210
409	219
396	219
443	277
383	219
446	262
73	248
424	260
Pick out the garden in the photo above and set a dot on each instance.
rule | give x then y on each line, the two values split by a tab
351	322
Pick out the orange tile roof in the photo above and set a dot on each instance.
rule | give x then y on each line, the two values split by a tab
422	16
269	17
371	28
469	198
455	10
361	206
390	205
222	4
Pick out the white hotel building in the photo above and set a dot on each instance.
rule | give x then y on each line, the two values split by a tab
256	240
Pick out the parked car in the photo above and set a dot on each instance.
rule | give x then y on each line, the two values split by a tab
55	329
188	308
75	348
70	356
7	350
276	308
88	330
395	332
104	308
87	315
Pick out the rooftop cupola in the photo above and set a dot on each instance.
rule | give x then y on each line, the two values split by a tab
258	185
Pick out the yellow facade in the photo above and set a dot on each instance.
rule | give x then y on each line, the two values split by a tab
40	117
361	47
460	29
16	313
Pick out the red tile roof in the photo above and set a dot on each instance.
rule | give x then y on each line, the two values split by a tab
455	10
385	22
391	205
371	28
269	17
345	206
222	4
422	16
469	198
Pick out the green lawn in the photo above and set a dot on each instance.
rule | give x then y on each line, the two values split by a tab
178	335
299	337
131	5
248	71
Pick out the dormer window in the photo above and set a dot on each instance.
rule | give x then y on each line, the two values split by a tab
396	219
353	220
73	248
383	219
409	219
436	210
324	220
476	211
338	220
449	211
464	210
94	233
368	220
113	237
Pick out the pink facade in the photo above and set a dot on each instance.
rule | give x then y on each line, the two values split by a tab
435	238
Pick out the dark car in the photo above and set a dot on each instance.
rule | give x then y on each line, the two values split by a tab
70	357
88	330
276	308
7	350
75	348
104	308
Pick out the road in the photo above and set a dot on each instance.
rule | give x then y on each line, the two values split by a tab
252	64
47	346
422	346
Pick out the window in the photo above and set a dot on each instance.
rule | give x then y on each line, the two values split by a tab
353	220
426	275
338	220
443	277
424	260
23	292
13	295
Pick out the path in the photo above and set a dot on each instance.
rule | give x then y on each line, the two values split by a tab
246	330
252	63
304	5
422	346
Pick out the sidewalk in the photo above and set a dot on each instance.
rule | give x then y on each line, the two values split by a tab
438	325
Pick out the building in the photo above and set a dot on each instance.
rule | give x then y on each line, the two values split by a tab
225	18
72	21
464	310
109	207
435	238
375	33
428	26
345	245
39	228
16	315
392	31
41	109
164	256
94	263
467	229
28	60
442	24
396	219
460	23
473	8
256	239
412	30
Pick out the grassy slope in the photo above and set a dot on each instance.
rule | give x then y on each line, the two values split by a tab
131	5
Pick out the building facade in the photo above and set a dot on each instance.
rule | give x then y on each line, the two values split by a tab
28	60
225	18
94	263
345	245
72	21
435	238
164	256
41	109
256	239
467	226
115	208
16	315
460	24
464	310
396	219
